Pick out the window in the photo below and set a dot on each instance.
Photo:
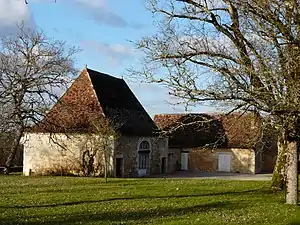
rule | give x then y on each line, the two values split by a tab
143	160
144	146
144	151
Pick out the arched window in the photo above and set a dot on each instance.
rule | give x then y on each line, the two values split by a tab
144	146
144	151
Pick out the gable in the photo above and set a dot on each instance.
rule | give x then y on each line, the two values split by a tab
95	95
75	109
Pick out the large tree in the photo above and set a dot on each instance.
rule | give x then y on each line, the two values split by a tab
242	53
33	71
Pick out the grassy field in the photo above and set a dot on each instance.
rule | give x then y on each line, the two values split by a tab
67	200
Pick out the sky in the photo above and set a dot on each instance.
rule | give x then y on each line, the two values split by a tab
104	31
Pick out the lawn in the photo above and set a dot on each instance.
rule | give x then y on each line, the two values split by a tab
70	200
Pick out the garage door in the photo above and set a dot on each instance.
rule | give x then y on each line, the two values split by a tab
224	162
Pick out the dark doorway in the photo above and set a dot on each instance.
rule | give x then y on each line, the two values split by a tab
119	167
163	165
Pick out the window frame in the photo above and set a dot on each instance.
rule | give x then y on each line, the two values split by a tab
144	150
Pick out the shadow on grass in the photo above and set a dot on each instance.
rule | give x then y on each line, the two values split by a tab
73	203
120	216
296	222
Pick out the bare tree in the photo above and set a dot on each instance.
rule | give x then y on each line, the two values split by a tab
33	71
242	54
102	138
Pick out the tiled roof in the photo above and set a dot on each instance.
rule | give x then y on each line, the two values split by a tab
218	130
120	105
94	95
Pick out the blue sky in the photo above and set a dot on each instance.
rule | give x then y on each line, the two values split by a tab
103	30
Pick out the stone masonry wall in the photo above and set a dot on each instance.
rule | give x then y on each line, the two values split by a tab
128	148
174	156
44	153
242	161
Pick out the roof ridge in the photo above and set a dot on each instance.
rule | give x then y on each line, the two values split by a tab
103	74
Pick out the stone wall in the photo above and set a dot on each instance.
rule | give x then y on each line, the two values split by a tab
174	157
204	160
242	160
258	161
45	154
269	160
127	148
267	149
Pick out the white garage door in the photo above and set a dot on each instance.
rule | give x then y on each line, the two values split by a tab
224	162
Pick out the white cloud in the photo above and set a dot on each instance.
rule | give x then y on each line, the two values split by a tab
13	12
121	49
93	3
101	13
114	52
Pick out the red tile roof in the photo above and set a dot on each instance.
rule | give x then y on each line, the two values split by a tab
94	95
74	110
197	130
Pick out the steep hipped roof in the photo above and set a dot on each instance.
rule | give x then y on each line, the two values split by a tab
95	95
218	130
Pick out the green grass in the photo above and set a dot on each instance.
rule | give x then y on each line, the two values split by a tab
71	200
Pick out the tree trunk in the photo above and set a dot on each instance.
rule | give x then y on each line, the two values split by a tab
278	178
13	151
292	173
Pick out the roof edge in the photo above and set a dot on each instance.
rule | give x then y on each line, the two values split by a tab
94	91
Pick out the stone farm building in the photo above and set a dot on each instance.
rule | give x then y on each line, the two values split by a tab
60	139
140	146
223	143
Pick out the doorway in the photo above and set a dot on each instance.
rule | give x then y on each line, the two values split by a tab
171	164
224	162
119	167
143	158
163	165
184	160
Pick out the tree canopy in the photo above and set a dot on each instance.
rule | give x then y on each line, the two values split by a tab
242	53
33	71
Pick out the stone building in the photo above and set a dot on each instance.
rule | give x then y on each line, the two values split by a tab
60	140
217	142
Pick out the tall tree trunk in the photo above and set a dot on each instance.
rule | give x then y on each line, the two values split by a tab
13	151
278	178
292	173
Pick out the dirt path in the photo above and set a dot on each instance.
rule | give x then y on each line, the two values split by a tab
215	175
